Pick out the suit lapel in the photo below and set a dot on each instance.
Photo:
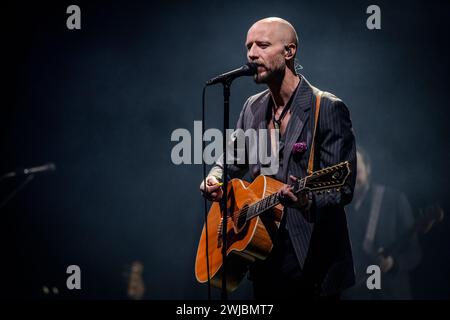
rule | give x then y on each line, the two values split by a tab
260	112
299	117
259	121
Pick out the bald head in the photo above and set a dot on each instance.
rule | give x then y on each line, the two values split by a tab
280	29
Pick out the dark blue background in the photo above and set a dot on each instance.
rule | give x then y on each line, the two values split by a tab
102	102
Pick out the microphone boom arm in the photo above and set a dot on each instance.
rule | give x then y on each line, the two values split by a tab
248	69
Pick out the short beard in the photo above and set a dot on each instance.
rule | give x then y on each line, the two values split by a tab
270	77
259	80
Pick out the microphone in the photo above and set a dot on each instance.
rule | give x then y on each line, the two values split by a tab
24	172
248	69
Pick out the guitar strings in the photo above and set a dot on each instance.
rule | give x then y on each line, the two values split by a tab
243	212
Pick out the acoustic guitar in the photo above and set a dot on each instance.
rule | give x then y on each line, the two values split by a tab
253	219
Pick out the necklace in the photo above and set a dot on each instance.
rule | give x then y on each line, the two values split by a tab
277	122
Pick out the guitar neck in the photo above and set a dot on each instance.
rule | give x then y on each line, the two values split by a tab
267	203
262	206
324	179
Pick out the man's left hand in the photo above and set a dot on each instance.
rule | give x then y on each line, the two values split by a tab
302	200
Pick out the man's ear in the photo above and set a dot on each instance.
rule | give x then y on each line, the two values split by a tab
291	49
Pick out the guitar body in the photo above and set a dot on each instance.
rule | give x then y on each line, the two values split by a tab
246	240
254	215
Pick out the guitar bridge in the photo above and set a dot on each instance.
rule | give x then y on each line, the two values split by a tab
219	234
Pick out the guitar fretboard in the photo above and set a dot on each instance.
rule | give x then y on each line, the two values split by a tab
266	203
324	179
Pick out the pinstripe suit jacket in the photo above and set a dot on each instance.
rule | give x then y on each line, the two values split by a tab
321	241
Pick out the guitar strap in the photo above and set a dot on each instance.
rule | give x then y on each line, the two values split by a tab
374	214
316	118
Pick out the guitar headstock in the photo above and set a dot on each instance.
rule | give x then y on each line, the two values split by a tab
328	178
136	287
429	216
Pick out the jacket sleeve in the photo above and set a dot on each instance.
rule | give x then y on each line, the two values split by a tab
335	143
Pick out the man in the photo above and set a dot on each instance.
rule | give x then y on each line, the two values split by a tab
311	256
378	218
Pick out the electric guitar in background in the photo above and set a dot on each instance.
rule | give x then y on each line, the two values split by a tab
253	219
427	218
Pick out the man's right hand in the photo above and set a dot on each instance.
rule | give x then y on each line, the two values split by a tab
213	191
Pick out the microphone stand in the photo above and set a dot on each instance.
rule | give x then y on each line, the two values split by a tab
16	190
226	125
226	79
